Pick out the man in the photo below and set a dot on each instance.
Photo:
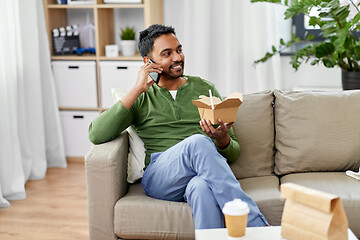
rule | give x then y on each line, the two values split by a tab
186	158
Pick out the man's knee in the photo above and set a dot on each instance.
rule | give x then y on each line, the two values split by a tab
200	141
197	187
198	137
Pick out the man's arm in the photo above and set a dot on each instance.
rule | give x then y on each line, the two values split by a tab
116	119
108	125
232	150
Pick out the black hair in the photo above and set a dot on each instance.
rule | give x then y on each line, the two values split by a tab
148	36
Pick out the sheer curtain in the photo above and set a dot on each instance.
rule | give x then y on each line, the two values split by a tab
30	132
222	38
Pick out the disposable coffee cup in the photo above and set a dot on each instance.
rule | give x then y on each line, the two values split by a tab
236	214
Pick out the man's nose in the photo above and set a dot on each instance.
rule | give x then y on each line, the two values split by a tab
176	57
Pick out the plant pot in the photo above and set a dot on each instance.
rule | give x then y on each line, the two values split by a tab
128	47
350	80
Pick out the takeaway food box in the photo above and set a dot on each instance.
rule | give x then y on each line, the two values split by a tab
226	110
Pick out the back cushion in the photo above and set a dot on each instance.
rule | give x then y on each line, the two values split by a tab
254	129
317	131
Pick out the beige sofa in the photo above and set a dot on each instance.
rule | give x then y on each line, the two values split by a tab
308	138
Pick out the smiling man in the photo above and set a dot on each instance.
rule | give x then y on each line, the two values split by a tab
186	157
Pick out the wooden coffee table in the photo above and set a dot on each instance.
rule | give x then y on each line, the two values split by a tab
260	233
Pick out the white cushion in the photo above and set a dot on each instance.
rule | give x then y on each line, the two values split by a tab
136	156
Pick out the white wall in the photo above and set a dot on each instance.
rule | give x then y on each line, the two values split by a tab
309	77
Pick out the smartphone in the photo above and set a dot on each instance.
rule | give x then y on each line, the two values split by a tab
154	75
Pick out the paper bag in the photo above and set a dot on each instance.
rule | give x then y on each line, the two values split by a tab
226	110
312	214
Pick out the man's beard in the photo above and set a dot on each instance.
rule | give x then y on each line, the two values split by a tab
173	75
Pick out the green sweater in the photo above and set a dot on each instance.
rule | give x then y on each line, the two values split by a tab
160	121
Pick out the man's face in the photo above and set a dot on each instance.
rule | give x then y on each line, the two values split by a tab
167	51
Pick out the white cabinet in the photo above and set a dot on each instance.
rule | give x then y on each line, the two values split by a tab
75	125
121	75
75	83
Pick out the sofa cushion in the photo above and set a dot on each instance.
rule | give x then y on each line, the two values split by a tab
154	219
138	216
317	131
265	192
254	129
337	183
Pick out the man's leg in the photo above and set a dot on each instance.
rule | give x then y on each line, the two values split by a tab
169	173
206	211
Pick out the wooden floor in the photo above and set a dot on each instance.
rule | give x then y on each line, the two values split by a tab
55	208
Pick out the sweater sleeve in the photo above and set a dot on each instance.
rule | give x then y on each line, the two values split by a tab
232	151
108	125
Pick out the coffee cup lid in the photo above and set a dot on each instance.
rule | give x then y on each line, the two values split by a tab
236	207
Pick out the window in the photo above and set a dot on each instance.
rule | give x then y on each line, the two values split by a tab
301	25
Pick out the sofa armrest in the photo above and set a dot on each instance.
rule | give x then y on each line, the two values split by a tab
106	173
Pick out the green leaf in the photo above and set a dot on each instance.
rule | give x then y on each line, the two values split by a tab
314	62
127	33
328	62
357	53
335	56
310	37
324	49
315	21
356	19
267	56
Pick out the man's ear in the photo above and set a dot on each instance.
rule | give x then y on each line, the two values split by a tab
145	59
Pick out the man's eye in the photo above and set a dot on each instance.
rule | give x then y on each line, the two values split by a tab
179	50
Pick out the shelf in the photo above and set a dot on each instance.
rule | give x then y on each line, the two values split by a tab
78	109
74	57
65	6
122	58
140	5
136	57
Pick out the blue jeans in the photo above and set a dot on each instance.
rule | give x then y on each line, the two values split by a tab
194	171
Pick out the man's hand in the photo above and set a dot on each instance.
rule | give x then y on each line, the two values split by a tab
220	134
142	82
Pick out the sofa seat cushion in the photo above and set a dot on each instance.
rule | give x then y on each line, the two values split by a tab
254	129
138	216
317	131
265	192
338	183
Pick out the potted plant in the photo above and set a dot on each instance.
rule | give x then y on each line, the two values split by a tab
128	42
339	48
